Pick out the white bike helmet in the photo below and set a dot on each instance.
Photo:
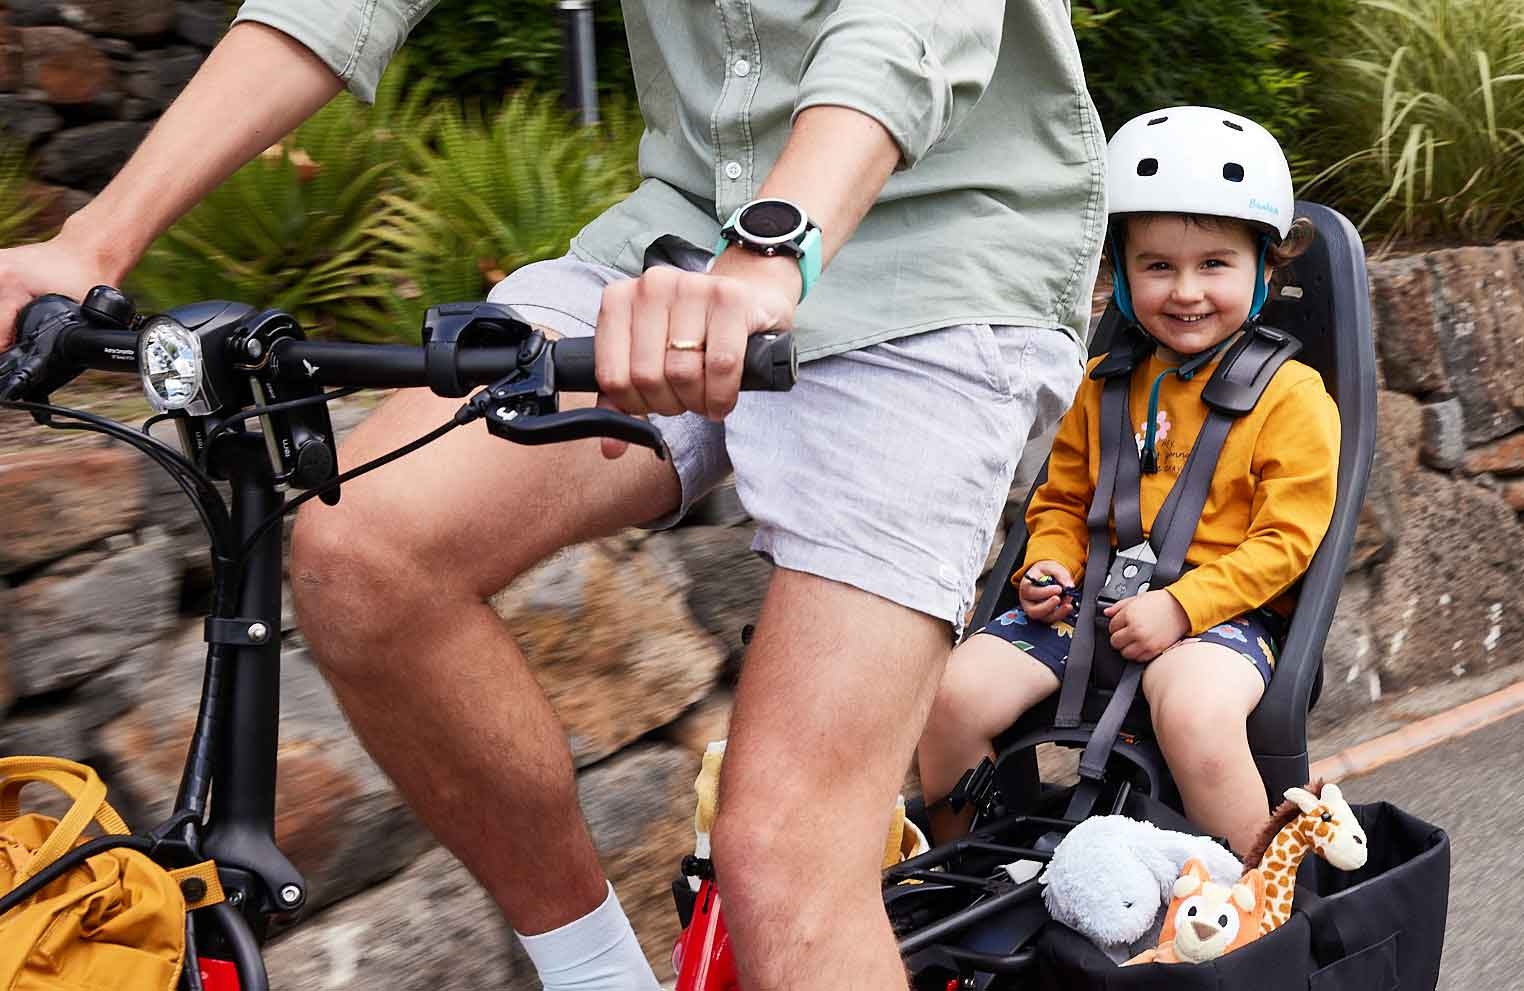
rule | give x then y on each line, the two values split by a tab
1198	160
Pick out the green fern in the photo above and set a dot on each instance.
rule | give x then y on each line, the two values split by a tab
492	195
296	228
15	212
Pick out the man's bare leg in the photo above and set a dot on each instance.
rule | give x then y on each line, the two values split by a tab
391	586
836	686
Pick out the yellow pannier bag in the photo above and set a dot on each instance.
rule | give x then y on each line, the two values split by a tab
115	922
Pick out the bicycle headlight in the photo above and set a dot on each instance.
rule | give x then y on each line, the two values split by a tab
169	357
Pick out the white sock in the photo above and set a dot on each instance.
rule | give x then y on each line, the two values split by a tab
597	952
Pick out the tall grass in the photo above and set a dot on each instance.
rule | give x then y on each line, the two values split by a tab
1425	120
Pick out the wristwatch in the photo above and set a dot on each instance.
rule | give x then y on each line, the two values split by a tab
775	227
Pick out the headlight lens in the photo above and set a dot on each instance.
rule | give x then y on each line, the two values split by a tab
169	356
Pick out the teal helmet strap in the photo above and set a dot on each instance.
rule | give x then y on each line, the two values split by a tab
1261	290
1119	291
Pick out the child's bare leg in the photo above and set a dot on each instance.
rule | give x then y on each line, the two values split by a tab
1201	695
988	684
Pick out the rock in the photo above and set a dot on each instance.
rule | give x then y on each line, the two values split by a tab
54	502
26	121
728	583
88	156
64	65
73	619
338	818
125	18
430	928
639	807
610	639
1503	457
1513	494
1351	676
1481	336
1452	592
1444	435
704	723
69	727
201	23
157	77
7	689
1407	326
55	203
10	55
1399	423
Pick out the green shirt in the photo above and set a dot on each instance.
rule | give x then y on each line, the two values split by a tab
994	216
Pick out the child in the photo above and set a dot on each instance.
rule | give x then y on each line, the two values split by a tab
1201	209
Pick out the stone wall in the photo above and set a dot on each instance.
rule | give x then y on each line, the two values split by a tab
637	639
82	80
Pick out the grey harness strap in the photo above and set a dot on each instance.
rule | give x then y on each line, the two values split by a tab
1234	388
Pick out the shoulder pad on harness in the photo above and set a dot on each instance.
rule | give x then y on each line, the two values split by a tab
1130	350
1247	369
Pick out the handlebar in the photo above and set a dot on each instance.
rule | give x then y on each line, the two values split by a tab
770	363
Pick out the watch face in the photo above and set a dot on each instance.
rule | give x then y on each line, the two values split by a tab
771	220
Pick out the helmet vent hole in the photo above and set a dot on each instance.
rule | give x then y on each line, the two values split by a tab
1158	120
1236	127
1233	172
1148	166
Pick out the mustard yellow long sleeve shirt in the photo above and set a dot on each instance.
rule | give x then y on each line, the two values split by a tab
1270	503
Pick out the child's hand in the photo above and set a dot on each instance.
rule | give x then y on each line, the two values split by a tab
1042	592
1145	626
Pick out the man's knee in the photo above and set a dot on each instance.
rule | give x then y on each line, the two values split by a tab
338	576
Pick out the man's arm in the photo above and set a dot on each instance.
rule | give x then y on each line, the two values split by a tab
255	87
834	165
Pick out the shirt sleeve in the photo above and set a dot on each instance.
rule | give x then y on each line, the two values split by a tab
1296	458
354	38
1056	515
917	68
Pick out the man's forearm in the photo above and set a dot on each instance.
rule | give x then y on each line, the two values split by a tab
834	165
255	87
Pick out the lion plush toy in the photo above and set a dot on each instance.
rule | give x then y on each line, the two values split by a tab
1206	919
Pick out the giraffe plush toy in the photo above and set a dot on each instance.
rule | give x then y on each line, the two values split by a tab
1315	818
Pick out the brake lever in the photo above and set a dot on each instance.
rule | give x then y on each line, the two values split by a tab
522	427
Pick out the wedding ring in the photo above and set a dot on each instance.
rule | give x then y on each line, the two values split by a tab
685	345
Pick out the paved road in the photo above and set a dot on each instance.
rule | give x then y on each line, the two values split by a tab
1473	787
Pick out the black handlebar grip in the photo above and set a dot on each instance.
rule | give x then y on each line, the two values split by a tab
771	364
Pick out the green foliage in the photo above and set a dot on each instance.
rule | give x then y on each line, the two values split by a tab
295	228
15	212
480	49
1141	55
492	195
1425	119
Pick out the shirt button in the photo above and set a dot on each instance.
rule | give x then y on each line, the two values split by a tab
742	67
733	170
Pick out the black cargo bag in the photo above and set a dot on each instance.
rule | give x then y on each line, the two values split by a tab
1380	928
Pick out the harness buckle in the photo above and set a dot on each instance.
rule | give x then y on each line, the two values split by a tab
1130	573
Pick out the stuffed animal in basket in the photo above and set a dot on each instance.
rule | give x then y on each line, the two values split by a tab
1207	919
1316	819
1111	876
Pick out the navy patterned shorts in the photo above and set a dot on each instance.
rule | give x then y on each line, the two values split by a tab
1255	635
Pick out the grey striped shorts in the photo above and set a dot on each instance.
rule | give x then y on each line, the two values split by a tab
884	468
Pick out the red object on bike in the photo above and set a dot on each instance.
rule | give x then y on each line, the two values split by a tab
219	975
702	956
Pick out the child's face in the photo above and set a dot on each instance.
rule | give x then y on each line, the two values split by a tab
1192	281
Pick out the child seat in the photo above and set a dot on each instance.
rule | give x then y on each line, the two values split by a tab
1325	304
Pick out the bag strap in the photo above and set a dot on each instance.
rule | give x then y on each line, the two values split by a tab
79	782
